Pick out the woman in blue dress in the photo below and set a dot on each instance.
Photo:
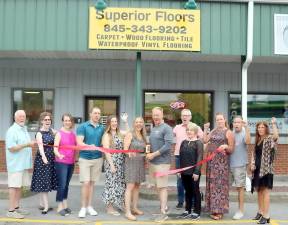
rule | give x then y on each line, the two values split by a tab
44	174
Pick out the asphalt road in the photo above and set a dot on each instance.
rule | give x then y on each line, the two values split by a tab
279	212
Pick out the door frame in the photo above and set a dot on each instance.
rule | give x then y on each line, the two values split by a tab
101	97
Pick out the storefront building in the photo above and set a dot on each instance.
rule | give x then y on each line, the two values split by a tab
48	61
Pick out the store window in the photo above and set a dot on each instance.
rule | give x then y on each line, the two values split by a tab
262	107
200	104
34	102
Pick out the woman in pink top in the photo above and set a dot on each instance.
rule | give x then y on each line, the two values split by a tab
64	162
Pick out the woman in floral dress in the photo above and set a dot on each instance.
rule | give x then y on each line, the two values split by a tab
113	195
217	173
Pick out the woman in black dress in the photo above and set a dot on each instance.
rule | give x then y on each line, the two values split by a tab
44	174
262	167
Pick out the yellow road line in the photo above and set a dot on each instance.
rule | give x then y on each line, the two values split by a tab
43	221
183	222
273	222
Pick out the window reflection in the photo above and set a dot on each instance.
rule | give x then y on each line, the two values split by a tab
172	104
262	107
34	102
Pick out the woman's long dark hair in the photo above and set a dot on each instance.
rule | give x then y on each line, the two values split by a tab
267	132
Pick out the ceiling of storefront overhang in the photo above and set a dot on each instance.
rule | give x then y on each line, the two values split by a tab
131	55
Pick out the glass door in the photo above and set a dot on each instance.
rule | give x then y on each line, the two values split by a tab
109	105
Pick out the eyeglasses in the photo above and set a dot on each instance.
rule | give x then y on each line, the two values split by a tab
47	119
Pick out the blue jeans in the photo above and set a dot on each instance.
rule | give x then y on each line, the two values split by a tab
180	187
64	173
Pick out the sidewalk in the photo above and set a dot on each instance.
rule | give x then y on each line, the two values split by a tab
278	194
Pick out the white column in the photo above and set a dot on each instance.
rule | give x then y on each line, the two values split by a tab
248	58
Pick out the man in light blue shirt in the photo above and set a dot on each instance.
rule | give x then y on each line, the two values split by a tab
18	160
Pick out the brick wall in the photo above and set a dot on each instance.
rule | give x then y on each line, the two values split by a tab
281	163
3	158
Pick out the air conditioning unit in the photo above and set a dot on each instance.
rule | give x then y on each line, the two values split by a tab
281	34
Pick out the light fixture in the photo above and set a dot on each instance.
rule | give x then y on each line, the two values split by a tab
100	5
190	4
32	92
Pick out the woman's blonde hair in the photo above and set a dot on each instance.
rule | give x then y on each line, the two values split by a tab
108	130
193	127
143	130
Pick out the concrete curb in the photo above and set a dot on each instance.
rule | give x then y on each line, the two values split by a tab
4	193
151	194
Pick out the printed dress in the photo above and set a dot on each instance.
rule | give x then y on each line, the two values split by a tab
114	188
257	181
134	166
44	175
217	176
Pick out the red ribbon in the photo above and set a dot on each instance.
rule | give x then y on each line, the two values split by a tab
169	172
92	148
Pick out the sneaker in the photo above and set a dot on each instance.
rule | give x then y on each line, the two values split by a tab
68	210
184	215
179	205
91	211
194	216
22	211
238	215
167	210
161	218
82	213
15	215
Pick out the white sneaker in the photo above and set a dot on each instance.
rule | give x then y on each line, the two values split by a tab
161	218
82	213
15	215
91	211
22	211
238	215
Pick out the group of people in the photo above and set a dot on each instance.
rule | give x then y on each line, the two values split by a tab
228	154
124	172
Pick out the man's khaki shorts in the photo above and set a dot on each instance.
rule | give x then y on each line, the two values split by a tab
238	176
90	169
19	179
159	182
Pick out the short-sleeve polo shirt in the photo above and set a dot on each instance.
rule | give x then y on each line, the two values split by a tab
20	160
92	136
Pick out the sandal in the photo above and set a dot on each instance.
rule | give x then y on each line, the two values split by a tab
130	217
216	216
137	212
114	213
